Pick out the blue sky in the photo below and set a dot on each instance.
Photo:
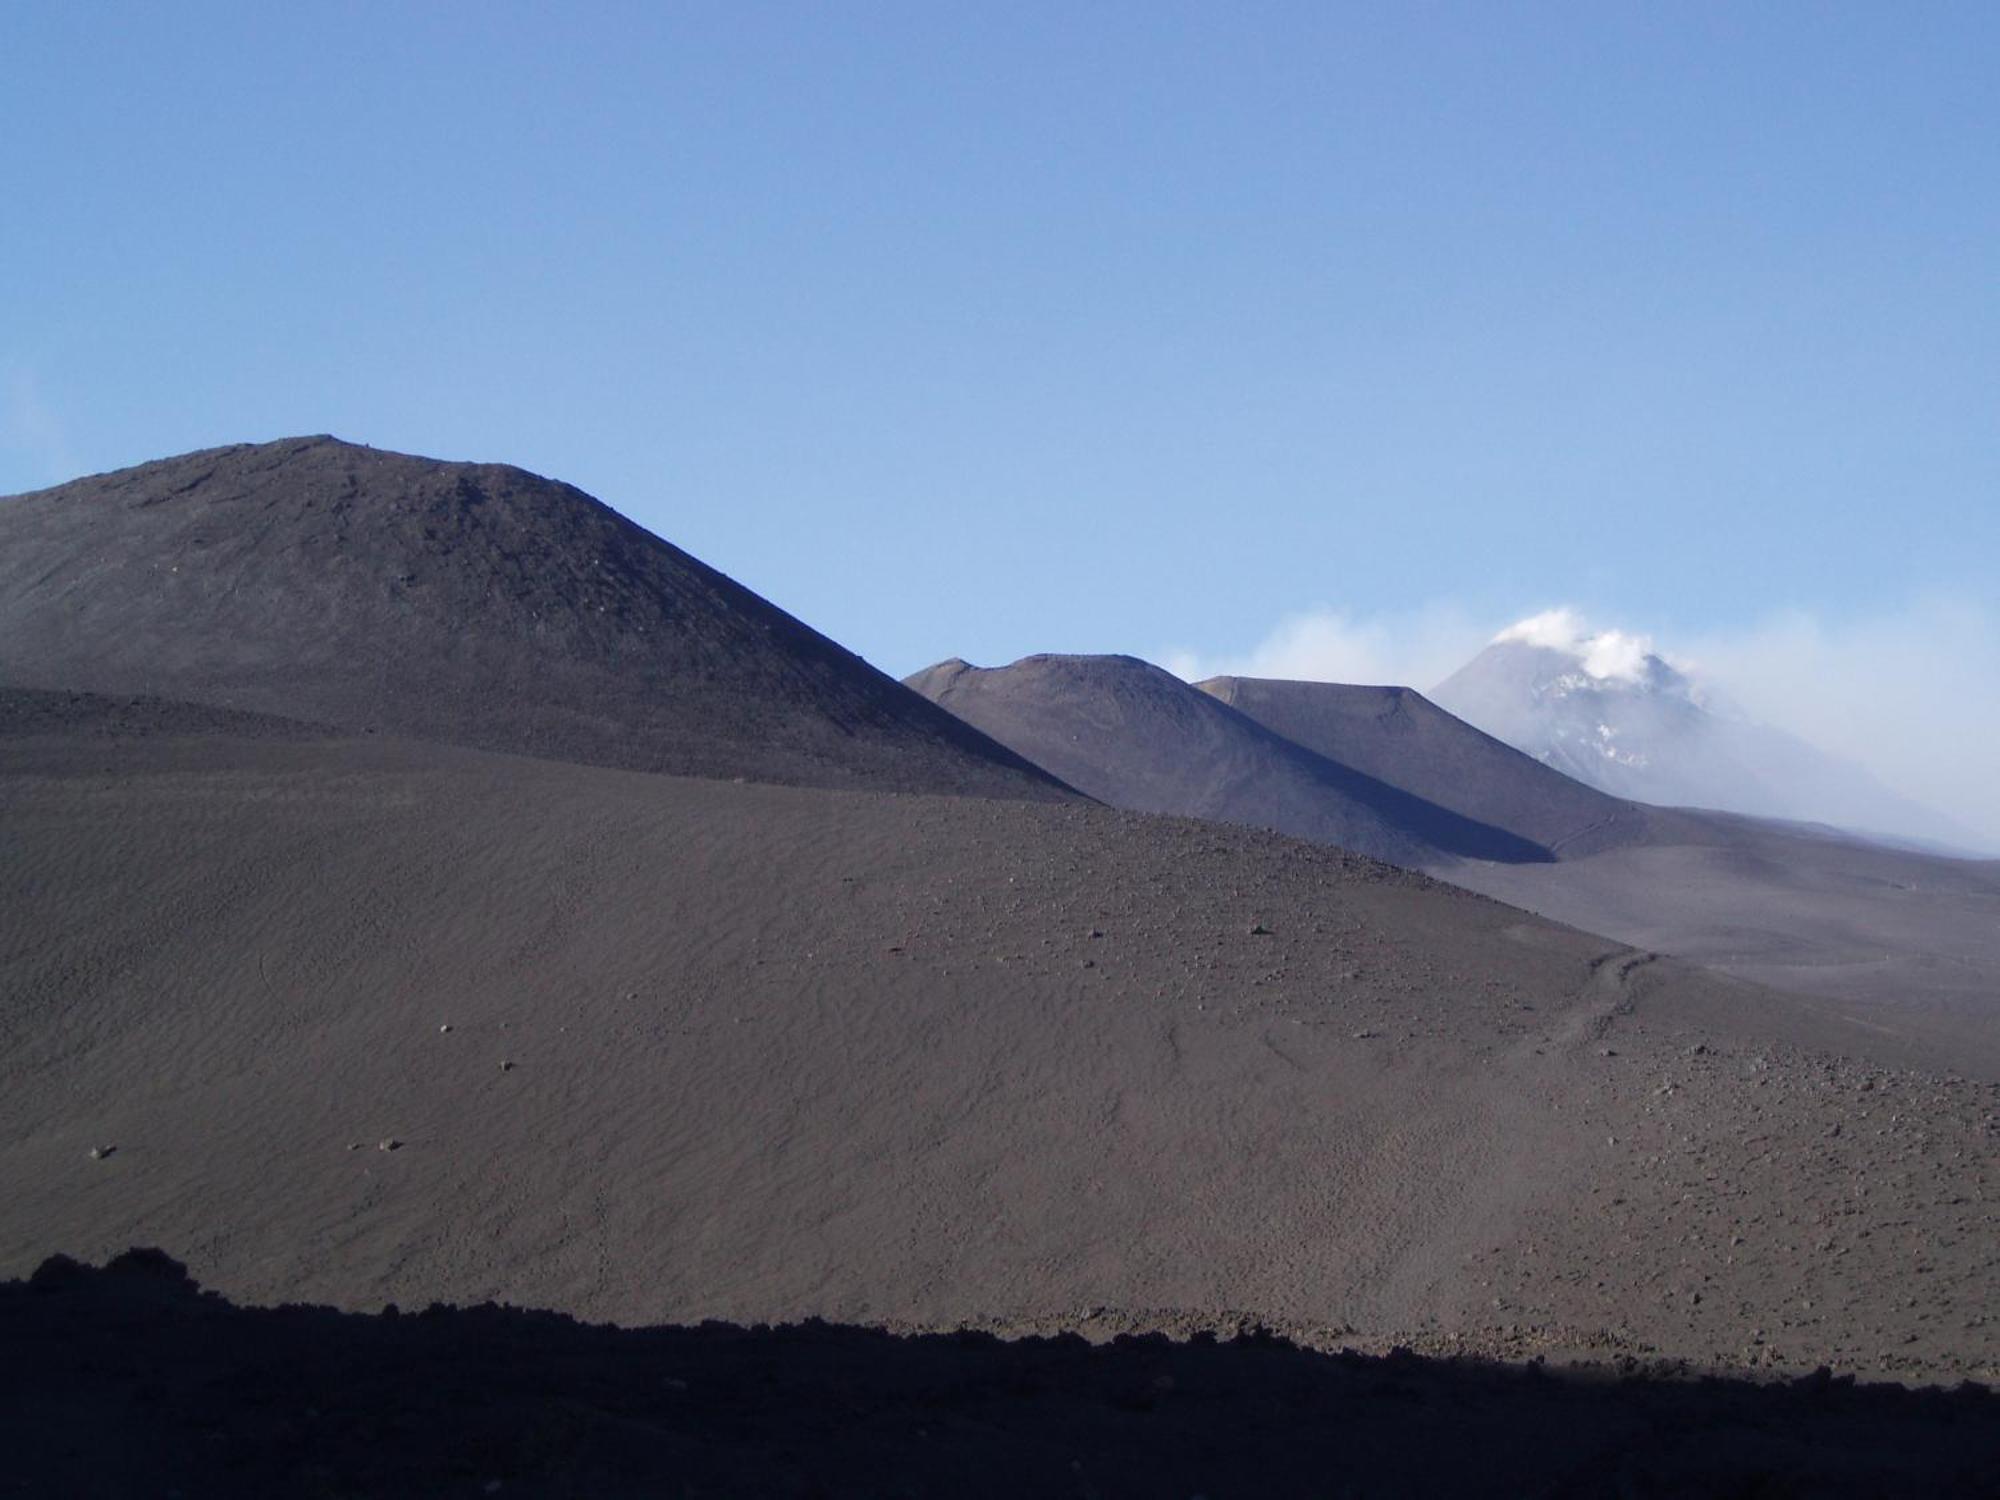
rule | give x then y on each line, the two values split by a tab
984	330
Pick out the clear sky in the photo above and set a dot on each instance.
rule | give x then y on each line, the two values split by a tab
982	330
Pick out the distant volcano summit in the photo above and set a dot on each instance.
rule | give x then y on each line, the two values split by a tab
1604	708
1609	710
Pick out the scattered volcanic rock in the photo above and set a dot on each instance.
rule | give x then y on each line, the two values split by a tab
475	603
1137	737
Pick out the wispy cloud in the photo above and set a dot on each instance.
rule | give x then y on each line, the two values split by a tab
31	433
1911	693
1417	647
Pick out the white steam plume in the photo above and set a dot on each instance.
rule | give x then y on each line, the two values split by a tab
1609	654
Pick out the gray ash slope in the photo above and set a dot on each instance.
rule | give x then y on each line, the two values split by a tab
1800	907
472	603
1915	937
1399	736
1137	737
665	1048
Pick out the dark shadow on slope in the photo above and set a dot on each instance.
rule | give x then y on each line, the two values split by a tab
1451	833
1136	737
130	1381
1401	737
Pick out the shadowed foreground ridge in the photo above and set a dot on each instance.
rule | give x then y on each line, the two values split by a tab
471	603
213	1399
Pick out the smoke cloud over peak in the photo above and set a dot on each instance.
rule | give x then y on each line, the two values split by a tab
1609	655
1559	629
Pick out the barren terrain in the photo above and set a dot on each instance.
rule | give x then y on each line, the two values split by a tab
362	1021
423	887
